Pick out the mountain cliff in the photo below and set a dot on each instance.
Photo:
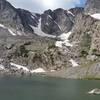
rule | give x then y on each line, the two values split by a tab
22	22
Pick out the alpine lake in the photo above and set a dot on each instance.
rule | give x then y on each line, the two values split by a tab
46	88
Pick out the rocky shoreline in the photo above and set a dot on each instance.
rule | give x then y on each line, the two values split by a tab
89	73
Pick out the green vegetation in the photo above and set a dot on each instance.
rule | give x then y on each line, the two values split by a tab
85	45
83	53
51	46
91	77
95	52
21	51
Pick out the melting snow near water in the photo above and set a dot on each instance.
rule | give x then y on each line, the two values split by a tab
20	67
38	70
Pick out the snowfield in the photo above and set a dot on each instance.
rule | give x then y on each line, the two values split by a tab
38	70
38	31
19	67
64	40
96	16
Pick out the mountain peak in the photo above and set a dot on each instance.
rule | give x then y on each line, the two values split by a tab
4	4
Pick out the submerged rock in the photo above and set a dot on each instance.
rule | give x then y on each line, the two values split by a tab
94	91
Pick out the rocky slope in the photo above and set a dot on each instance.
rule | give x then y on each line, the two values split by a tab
86	33
62	42
84	45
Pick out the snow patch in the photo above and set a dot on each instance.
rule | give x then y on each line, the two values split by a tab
2	67
64	40
65	36
39	32
55	22
11	30
12	33
19	33
53	70
32	16
47	24
74	63
59	44
19	67
96	16
66	43
1	25
70	13
58	25
38	70
50	17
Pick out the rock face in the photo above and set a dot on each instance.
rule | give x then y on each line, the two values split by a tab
22	22
9	17
92	6
57	21
27	19
86	31
76	10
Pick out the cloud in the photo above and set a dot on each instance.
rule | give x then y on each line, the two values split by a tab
41	5
71	1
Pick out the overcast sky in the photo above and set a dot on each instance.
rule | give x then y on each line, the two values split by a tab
41	5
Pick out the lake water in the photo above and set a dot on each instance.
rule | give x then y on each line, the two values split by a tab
43	88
